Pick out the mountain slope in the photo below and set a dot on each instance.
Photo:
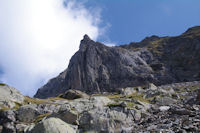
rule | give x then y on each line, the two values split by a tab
96	68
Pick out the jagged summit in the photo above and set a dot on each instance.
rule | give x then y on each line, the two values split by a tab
96	68
86	37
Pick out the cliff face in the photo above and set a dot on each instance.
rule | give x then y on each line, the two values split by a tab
96	68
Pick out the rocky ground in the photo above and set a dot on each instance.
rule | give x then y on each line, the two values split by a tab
168	108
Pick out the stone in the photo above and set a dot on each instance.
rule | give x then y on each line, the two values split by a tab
151	86
198	96
27	113
128	91
21	127
151	93
7	116
47	108
180	111
164	108
73	94
9	96
106	120
53	125
1	128
68	116
9	127
165	101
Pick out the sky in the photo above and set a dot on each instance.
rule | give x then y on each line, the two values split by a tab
38	37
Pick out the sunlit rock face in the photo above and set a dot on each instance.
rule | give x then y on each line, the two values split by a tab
9	96
96	68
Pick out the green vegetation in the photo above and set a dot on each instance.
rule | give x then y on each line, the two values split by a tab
187	88
40	117
4	108
56	98
17	105
130	101
114	105
28	100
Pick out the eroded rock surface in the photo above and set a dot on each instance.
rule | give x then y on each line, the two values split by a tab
9	96
96	68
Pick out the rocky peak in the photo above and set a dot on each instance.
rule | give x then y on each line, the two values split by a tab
96	68
85	42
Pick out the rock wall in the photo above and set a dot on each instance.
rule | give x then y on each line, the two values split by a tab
97	68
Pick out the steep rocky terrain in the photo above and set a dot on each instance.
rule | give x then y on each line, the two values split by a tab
173	108
97	68
152	86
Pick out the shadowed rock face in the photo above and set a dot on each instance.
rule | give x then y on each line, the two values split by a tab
96	68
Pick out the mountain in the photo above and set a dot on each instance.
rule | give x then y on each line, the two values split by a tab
96	68
139	81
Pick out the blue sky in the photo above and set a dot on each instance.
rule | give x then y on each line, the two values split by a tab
38	37
133	20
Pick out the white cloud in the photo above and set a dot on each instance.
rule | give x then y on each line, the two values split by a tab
38	37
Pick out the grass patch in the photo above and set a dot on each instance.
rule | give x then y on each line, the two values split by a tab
139	97
114	105
17	105
56	98
28	100
97	95
4	108
40	117
187	88
115	96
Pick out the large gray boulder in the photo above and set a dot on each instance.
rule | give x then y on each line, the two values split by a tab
68	116
107	120
9	96
73	94
27	113
52	125
96	68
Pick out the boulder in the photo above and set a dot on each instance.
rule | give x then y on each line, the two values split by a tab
27	113
9	96
198	96
1	128
164	108
52	125
83	104
7	116
68	116
151	86
73	94
165	101
20	127
9	127
106	120
128	91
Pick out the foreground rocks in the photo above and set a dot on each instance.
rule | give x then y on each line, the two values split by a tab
149	108
52	125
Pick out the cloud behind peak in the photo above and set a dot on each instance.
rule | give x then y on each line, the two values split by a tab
38	37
